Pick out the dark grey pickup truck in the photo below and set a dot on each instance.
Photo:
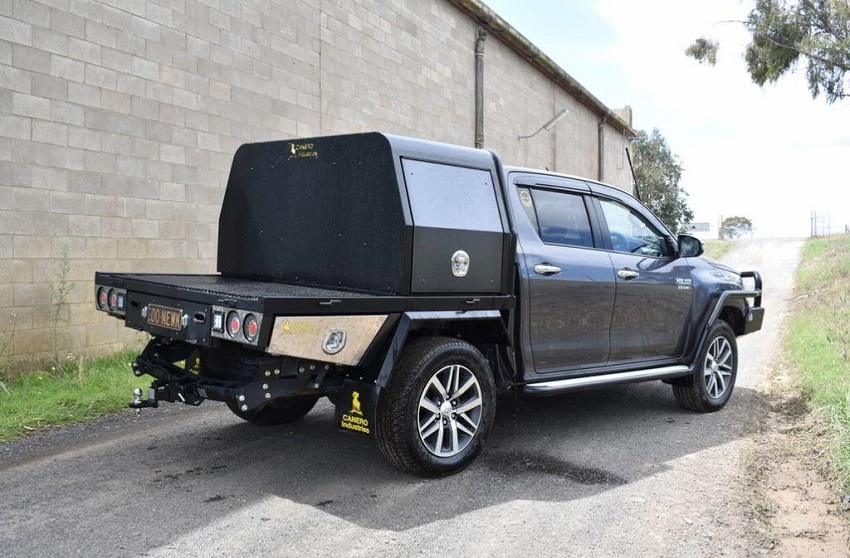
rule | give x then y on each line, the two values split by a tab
408	281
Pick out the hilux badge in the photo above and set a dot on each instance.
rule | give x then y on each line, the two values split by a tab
334	341
460	263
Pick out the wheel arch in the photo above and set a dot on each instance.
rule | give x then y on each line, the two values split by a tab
484	329
731	307
733	313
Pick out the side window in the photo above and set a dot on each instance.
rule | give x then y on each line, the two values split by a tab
630	233
562	218
528	207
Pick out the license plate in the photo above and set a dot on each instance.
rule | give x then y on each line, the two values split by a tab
161	316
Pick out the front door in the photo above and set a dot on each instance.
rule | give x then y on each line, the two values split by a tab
654	289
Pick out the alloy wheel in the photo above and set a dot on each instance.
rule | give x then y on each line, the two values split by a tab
450	410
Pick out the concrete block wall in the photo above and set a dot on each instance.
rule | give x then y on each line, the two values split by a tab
119	119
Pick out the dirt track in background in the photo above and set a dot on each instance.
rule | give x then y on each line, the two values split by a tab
616	472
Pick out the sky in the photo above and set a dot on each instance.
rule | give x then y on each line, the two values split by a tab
771	154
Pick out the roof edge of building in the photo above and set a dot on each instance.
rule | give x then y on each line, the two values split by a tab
495	24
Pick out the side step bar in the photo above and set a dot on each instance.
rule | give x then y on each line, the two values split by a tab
574	384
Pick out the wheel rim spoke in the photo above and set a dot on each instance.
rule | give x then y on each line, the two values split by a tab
429	406
463	389
464	429
438	445
434	424
435	383
466	407
725	354
450	410
456	377
455	443
721	381
710	385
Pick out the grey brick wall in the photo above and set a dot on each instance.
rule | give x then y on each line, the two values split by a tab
119	118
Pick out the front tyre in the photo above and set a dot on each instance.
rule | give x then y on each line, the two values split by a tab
437	409
711	385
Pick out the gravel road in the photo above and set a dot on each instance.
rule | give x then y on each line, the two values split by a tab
616	472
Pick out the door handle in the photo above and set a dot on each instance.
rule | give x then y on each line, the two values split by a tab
546	269
627	274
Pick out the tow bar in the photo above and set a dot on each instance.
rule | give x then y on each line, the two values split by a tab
137	402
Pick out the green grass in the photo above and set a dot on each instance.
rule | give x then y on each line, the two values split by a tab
716	249
87	390
818	340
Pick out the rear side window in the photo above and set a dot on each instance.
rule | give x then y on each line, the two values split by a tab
528	207
562	218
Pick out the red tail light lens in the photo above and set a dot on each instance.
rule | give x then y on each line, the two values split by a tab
251	327
234	324
102	297
113	299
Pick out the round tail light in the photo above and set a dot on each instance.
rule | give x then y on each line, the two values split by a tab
251	327
102	297
113	299
234	324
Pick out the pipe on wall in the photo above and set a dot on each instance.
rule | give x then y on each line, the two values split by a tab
479	88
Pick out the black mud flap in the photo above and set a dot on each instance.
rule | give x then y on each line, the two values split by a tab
754	320
357	407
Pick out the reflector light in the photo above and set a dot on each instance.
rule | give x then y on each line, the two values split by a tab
218	321
251	327
234	324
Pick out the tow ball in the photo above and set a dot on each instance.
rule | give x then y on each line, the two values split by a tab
138	403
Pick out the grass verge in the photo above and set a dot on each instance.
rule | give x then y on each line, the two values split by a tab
85	390
818	342
716	249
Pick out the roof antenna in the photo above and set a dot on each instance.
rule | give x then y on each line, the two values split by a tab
634	178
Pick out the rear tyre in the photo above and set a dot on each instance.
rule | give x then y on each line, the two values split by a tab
711	385
435	413
282	411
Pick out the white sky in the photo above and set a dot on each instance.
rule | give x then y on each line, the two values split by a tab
772	154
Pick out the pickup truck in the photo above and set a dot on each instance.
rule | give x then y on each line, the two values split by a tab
407	281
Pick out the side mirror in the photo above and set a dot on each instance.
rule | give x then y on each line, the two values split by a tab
690	246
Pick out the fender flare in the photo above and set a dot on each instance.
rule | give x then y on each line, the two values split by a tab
752	318
492	323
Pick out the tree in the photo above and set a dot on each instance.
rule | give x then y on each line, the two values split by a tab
783	31
735	227
657	174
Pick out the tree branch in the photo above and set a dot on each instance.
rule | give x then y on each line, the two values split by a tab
805	53
749	26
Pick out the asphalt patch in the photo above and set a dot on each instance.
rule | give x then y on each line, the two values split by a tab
514	464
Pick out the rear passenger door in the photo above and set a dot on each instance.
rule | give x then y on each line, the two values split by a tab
570	282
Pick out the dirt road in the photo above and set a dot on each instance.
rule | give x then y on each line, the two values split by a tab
616	472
